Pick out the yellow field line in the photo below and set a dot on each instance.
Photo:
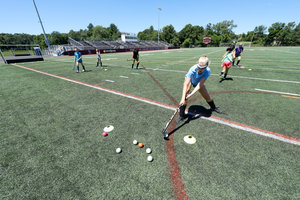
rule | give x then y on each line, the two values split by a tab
290	96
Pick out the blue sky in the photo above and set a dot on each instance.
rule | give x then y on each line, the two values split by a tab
19	16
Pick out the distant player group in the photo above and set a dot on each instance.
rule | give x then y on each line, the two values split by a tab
78	59
196	76
229	58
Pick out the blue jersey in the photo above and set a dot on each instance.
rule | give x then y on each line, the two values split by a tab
195	76
77	55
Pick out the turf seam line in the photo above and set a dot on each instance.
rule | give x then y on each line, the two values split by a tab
161	87
290	140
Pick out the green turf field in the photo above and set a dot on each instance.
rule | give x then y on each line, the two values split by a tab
51	128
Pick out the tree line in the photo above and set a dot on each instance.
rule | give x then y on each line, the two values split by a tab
285	34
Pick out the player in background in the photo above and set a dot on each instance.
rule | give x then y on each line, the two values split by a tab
78	59
99	61
238	53
227	60
135	57
196	77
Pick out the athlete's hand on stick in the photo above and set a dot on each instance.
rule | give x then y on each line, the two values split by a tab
182	102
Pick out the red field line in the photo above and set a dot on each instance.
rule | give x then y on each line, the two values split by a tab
174	168
176	177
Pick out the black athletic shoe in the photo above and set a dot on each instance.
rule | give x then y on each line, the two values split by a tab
217	110
182	110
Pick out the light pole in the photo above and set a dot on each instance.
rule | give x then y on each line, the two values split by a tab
46	40
159	9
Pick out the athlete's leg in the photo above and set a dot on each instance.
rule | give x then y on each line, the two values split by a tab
83	68
132	63
182	107
138	62
77	65
208	99
226	71
239	59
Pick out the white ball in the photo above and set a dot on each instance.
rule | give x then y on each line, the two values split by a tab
148	150
150	159
118	150
135	142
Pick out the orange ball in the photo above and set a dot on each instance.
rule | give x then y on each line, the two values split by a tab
141	145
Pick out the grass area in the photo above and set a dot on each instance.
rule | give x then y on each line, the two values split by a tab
51	129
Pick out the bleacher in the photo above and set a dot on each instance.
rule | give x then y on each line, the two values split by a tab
115	46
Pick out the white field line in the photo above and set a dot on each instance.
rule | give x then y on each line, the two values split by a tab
277	92
263	79
135	73
251	130
110	81
289	52
124	76
244	77
269	134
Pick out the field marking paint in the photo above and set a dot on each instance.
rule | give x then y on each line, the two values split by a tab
135	73
110	81
290	96
229	123
245	77
99	84
180	71
289	52
252	129
124	77
277	92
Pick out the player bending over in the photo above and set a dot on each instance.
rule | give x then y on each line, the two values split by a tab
196	77
226	62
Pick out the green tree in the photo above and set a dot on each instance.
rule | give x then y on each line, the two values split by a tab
114	32
169	34
275	34
148	34
57	38
297	34
224	27
90	30
187	42
194	33
100	33
287	34
73	34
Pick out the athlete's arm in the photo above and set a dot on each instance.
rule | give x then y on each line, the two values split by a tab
185	90
197	88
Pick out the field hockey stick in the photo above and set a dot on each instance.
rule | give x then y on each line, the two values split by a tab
164	131
74	65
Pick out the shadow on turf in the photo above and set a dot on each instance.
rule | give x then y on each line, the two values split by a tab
225	79
197	112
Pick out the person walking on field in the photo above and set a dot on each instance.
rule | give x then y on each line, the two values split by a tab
238	54
227	60
78	59
98	58
196	77
135	57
